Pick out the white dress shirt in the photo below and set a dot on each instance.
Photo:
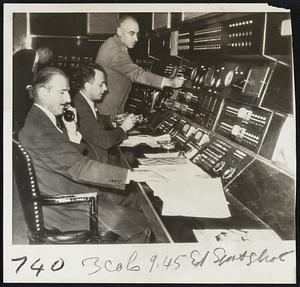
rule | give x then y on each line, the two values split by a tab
91	104
75	139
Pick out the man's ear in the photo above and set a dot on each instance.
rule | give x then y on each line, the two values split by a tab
44	92
86	86
119	31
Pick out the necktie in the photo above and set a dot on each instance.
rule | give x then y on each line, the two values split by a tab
58	123
96	111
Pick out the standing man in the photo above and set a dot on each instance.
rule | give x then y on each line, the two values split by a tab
98	130
61	168
121	71
26	64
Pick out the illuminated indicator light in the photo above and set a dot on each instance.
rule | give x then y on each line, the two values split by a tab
243	23
242	44
250	22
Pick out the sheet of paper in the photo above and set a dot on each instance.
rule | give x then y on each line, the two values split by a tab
210	235
163	161
145	139
195	197
161	155
187	170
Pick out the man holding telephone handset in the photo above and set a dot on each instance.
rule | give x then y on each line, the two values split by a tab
62	169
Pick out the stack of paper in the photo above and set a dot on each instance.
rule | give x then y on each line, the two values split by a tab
175	171
161	155
194	196
145	139
163	161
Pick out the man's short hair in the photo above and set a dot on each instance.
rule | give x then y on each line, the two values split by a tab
44	76
124	18
46	50
86	73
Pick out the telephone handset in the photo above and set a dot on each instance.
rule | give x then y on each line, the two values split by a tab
68	115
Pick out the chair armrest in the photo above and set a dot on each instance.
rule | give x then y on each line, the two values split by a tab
70	198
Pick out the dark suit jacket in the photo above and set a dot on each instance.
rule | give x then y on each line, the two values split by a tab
62	169
121	72
99	132
22	76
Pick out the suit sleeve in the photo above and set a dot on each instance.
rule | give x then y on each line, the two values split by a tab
106	120
62	158
94	131
123	64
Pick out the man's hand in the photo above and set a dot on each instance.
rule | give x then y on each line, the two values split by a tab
175	83
129	122
145	175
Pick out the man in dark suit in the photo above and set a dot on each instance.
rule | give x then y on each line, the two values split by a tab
121	71
99	130
26	63
62	169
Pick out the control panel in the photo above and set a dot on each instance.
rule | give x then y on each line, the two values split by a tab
166	67
245	125
201	107
237	36
242	81
221	159
168	123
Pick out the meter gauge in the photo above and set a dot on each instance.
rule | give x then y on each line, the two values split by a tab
197	79
173	132
219	166
209	75
198	135
228	173
212	82
186	128
218	83
228	78
194	73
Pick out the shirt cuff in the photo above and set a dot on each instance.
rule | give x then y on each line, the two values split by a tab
163	83
128	177
75	138
123	129
113	121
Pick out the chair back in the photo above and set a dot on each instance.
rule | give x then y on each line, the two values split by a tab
28	190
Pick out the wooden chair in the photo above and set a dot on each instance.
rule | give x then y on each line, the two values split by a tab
32	202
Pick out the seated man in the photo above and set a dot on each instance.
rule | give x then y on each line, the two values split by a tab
62	169
96	129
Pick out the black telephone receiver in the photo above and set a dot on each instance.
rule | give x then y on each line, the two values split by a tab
68	115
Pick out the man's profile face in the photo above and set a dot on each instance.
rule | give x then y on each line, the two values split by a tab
55	94
128	33
96	88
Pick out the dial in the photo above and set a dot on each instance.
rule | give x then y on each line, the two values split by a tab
209	76
228	78
194	73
